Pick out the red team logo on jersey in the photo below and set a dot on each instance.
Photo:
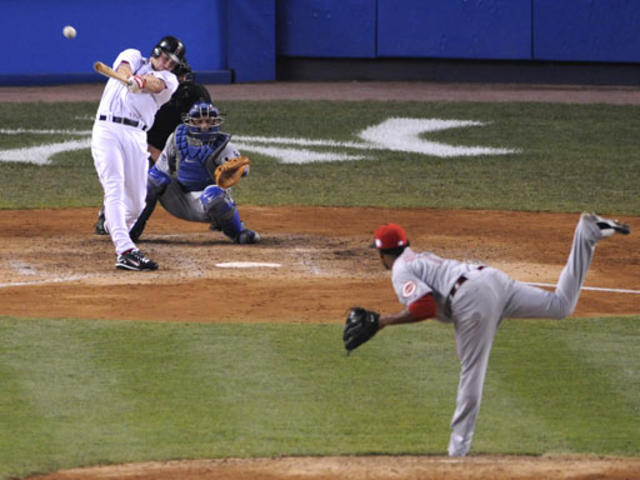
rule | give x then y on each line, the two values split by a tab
409	288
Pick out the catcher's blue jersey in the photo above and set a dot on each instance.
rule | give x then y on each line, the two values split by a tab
196	163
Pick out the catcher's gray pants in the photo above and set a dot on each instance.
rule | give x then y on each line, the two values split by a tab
187	205
184	205
479	306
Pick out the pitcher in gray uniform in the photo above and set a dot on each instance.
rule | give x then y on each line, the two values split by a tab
475	298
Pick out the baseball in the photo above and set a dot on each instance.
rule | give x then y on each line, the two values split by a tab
69	32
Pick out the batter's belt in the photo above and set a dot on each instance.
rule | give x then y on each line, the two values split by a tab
456	286
124	121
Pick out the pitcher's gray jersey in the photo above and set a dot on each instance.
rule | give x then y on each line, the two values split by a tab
414	275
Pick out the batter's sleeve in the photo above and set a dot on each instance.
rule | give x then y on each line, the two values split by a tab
132	56
171	84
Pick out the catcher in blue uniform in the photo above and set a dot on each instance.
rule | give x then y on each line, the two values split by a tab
193	176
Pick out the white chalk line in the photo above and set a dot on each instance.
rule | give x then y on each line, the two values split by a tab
22	131
30	283
596	289
248	265
74	278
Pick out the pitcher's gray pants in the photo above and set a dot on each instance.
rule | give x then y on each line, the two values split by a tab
480	304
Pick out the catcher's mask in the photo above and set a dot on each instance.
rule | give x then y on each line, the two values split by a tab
203	121
172	47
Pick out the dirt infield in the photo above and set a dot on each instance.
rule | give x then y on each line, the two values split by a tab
60	269
51	265
320	253
368	468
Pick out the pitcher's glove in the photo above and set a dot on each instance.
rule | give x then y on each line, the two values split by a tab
230	172
361	325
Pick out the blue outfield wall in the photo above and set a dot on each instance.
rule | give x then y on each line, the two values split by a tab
251	40
474	29
326	28
35	51
587	30
239	40
545	30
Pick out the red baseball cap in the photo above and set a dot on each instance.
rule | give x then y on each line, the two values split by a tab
389	236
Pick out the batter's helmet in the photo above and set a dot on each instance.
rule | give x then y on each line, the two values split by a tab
172	47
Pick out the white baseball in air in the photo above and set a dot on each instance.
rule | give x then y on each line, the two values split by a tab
69	32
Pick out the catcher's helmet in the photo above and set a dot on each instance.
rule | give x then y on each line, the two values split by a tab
172	47
196	127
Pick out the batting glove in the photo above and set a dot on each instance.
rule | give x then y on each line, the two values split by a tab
136	83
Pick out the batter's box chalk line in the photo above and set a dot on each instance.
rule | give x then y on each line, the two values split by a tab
248	265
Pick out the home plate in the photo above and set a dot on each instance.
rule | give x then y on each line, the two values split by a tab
248	265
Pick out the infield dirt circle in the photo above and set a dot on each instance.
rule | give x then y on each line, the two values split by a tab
53	266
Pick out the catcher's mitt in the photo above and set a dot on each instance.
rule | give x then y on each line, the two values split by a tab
361	325
229	173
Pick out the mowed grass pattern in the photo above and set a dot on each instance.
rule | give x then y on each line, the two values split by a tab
571	157
79	393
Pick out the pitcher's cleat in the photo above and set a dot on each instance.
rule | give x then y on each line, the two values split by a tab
607	226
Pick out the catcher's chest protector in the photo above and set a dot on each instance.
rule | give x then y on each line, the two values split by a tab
196	163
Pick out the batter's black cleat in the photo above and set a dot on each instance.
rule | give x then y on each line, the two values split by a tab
100	230
135	260
607	226
247	236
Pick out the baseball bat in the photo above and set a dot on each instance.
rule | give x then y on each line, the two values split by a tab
107	71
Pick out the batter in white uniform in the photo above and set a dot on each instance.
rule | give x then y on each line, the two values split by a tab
119	140
476	298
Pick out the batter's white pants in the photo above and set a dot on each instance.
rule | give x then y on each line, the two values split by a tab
479	306
120	157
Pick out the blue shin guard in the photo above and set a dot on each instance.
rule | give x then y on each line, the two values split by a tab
221	209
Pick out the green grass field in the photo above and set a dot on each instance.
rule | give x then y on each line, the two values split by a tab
572	157
78	392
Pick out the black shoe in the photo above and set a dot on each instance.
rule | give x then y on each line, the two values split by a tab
247	236
607	226
135	260
100	230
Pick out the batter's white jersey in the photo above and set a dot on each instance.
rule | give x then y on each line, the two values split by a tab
118	101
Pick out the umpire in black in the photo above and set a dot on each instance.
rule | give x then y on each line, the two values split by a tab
168	118
171	113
